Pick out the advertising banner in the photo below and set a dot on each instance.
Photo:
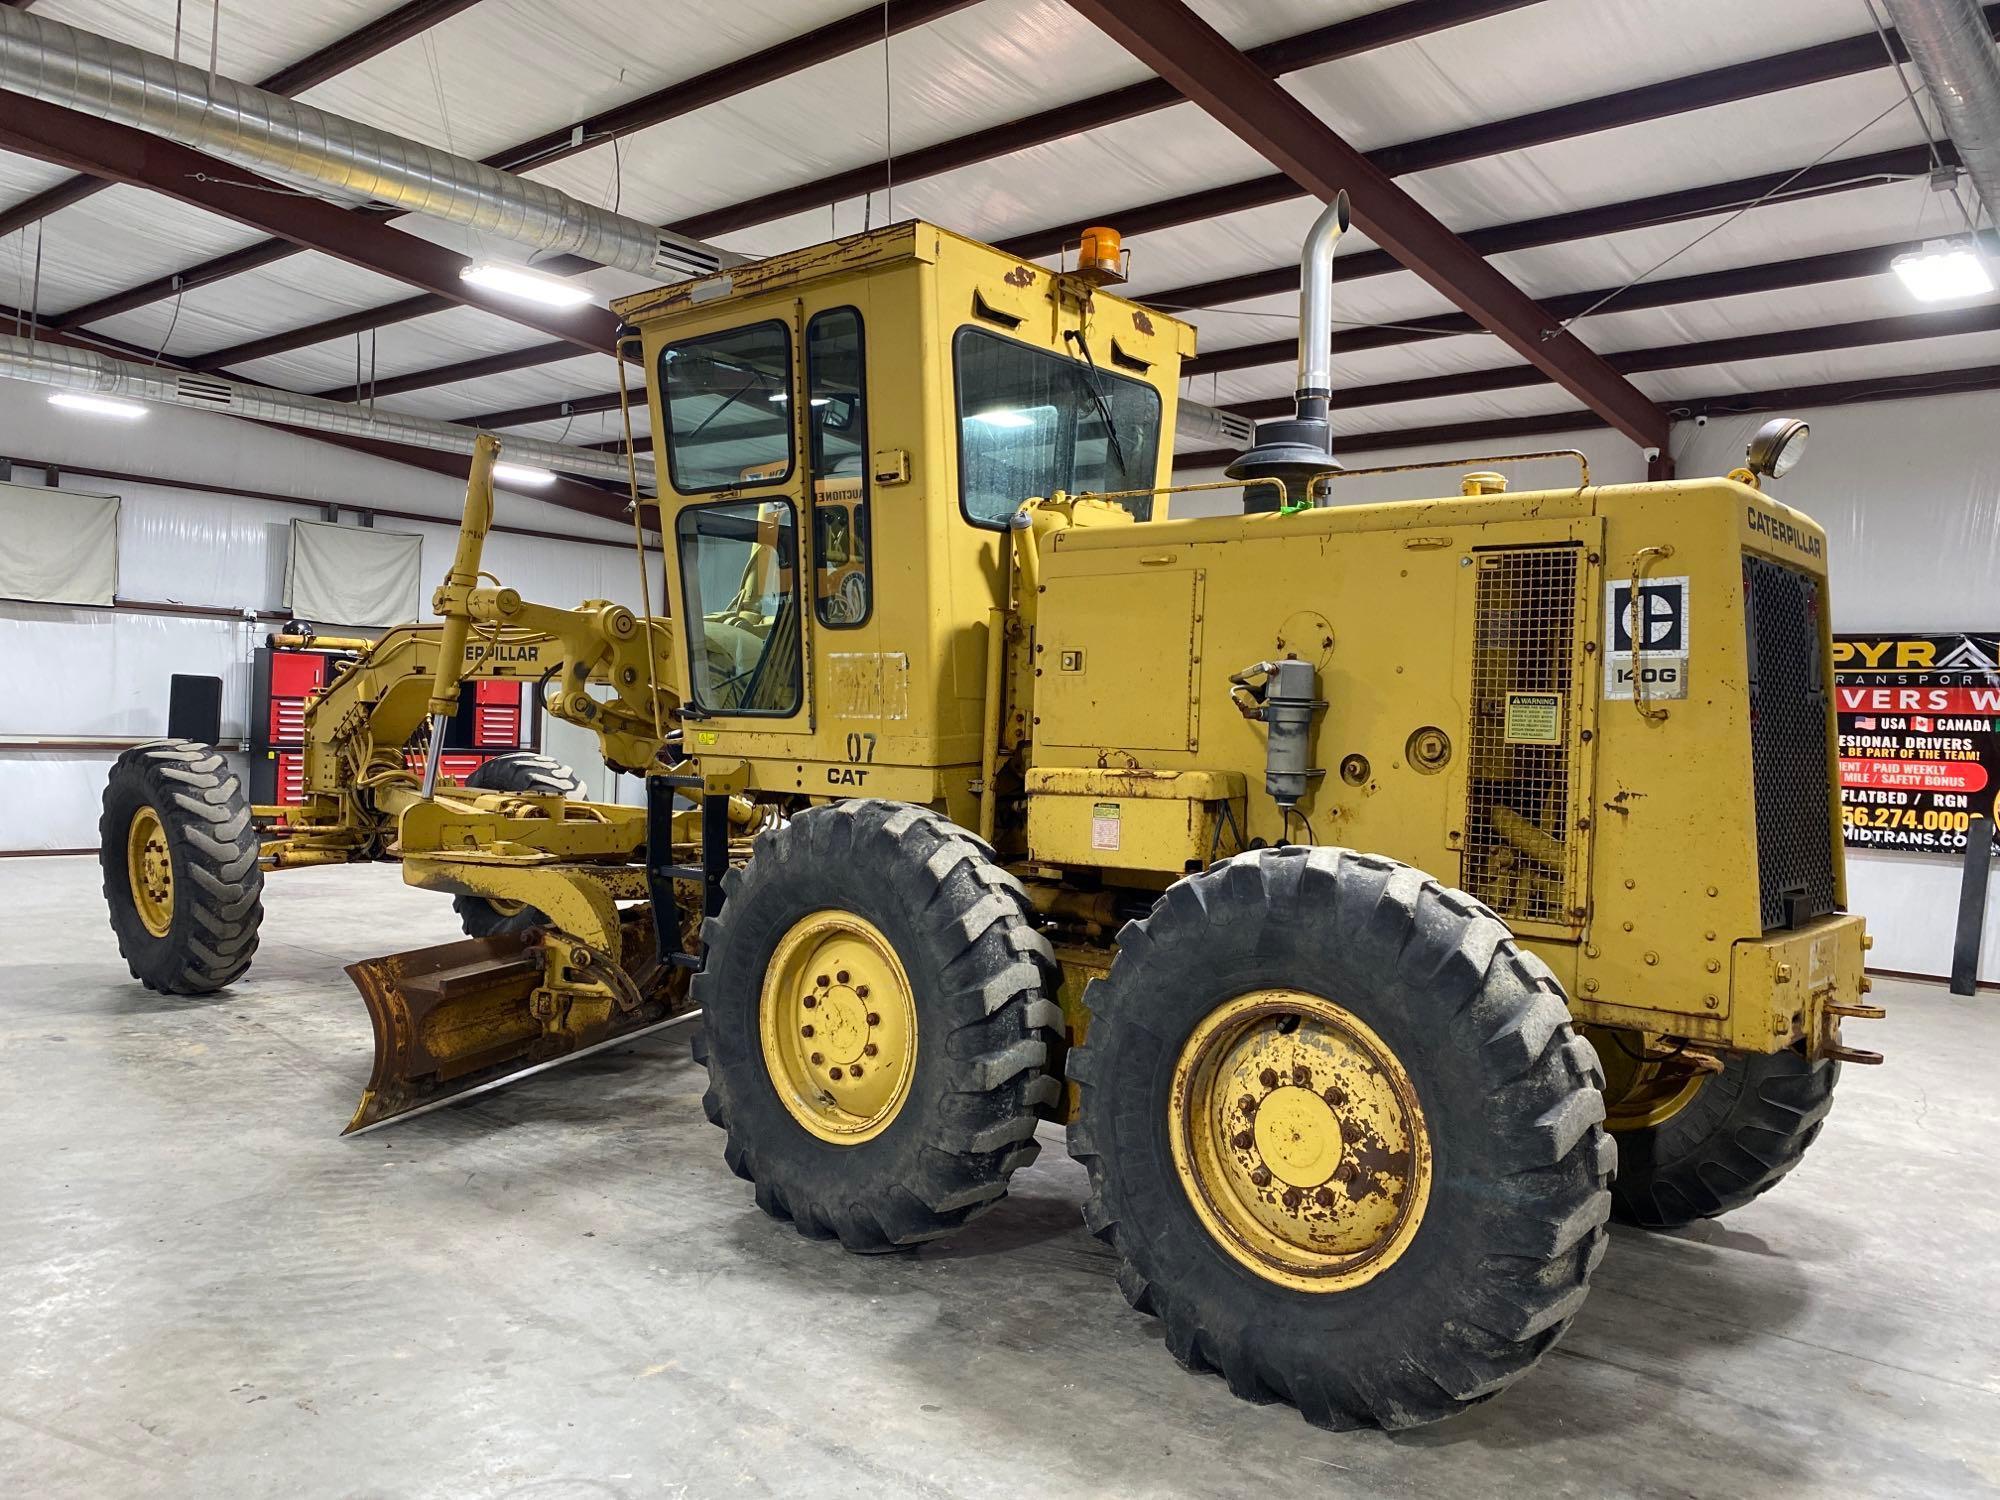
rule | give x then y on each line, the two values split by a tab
1919	737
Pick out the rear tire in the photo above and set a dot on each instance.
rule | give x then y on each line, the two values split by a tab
179	855
1735	1139
958	1043
1503	1163
518	771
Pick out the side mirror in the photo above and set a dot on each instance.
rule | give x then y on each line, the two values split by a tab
838	413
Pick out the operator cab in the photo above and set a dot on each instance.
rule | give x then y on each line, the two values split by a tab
847	432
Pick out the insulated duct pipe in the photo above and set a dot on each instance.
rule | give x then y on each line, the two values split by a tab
1212	426
69	369
1953	49
79	70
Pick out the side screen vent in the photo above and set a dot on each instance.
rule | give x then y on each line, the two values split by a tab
1520	858
1789	707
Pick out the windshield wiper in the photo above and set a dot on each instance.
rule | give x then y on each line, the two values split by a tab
1075	335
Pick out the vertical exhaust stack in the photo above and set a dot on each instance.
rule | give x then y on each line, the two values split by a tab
1298	449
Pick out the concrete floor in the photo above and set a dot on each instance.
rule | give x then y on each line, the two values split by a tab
559	1291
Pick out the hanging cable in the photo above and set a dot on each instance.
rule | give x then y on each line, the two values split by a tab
1707	235
639	546
888	128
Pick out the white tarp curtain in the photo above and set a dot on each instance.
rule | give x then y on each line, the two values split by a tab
57	547
352	575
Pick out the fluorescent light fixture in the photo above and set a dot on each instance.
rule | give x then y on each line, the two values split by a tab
530	286
781	397
1943	271
526	474
101	406
1005	416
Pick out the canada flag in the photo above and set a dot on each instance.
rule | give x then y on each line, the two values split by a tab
1920	724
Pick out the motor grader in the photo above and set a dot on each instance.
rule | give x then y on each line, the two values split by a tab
1383	895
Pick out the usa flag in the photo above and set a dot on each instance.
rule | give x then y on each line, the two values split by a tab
1864	724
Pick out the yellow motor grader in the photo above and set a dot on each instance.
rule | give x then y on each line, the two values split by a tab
1384	895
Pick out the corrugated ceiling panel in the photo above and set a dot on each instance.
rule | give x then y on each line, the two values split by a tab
417	344
976	68
257	38
125	236
1501	66
560	63
301	289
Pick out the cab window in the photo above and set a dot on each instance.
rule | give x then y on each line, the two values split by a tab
727	397
1031	421
842	595
739	572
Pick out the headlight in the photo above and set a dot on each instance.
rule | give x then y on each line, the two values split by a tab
1778	447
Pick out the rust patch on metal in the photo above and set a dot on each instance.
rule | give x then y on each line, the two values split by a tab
1140	321
1020	276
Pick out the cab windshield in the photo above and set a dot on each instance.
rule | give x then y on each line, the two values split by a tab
1031	421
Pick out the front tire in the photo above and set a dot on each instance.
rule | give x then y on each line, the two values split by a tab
876	1024
519	771
1735	1138
179	855
1386	1204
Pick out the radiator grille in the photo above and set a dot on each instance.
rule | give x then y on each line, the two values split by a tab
1788	743
1519	858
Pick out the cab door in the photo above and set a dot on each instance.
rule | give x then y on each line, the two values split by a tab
735	458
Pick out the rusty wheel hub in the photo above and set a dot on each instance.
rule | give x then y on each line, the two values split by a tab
149	871
838	1026
1298	1136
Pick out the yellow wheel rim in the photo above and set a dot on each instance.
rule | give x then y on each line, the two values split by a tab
1640	1094
149	871
838	1026
1298	1136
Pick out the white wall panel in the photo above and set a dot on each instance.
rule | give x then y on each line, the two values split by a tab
102	674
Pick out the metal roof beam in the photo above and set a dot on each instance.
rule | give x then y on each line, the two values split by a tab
860	29
1181	47
131	156
1733	403
1863	333
1706	286
1859	334
1413	18
359	45
1821	179
1663	208
568	493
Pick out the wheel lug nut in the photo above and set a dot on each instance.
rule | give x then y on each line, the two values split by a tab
855	1069
1292	1197
870	1050
1247	1105
1261	1176
1323	1197
861	992
1349	1131
840	977
1335	1095
809	1002
1345	1171
805	1031
817	1059
834	1074
873	1019
1243	1140
821	981
1269	1078
1302	1075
